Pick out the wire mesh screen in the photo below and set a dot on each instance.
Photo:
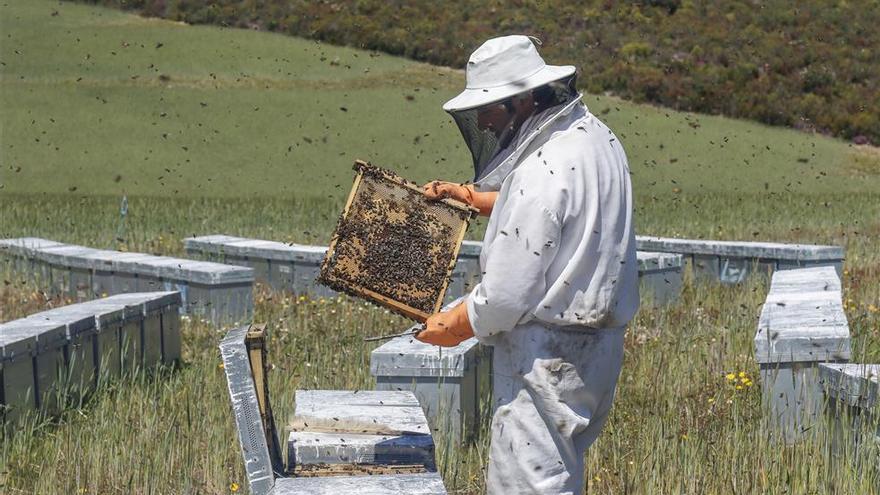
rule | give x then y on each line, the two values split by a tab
393	246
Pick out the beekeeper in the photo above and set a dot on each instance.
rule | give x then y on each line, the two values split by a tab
559	279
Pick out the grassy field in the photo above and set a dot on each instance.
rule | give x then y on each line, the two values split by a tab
230	131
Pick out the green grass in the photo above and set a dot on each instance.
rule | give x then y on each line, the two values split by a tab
173	432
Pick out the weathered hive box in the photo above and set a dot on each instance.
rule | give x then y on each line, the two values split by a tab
255	437
112	271
377	484
357	428
81	331
731	261
48	358
659	277
217	292
282	266
451	383
160	313
221	294
802	324
853	392
70	273
21	254
17	390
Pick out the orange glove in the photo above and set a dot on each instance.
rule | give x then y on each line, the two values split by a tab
447	329
465	193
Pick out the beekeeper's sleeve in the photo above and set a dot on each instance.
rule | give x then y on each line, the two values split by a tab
514	280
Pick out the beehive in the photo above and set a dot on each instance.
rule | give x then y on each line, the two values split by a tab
393	246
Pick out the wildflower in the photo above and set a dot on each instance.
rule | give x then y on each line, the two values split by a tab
739	387
711	400
742	374
872	308
221	366
233	487
731	376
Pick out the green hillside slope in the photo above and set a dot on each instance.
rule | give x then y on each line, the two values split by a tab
102	102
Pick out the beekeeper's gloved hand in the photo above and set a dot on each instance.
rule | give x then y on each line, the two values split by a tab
465	193
447	329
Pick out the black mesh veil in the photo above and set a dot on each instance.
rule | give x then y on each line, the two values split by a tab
489	129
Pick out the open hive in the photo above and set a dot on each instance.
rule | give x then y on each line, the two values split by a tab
393	246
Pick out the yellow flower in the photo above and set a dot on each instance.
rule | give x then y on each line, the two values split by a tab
731	376
739	387
872	308
711	400
234	487
742	374
221	366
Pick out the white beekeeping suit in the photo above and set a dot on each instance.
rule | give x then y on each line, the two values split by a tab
560	279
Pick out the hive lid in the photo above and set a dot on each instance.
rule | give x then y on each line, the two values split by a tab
397	411
148	302
198	272
105	314
653	262
406	356
209	243
26	246
394	247
803	318
49	334
66	255
741	249
77	319
114	261
16	342
856	384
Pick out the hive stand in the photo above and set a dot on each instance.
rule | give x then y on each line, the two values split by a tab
802	324
257	437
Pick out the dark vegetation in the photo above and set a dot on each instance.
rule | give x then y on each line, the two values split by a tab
802	64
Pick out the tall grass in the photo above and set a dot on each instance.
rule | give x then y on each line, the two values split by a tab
679	425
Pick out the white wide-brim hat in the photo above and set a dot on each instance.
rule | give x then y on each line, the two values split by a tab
502	67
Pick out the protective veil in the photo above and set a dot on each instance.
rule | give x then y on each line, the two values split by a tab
559	283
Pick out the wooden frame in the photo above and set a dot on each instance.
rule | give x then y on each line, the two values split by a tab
397	306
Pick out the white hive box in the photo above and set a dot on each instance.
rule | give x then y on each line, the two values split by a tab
802	324
853	392
48	358
659	277
731	261
81	330
70	273
160	330
221	294
21	252
17	389
364	427
450	383
291	267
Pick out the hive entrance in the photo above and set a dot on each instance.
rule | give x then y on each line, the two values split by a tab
393	246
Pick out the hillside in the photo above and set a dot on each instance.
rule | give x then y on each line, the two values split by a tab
97	101
807	64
